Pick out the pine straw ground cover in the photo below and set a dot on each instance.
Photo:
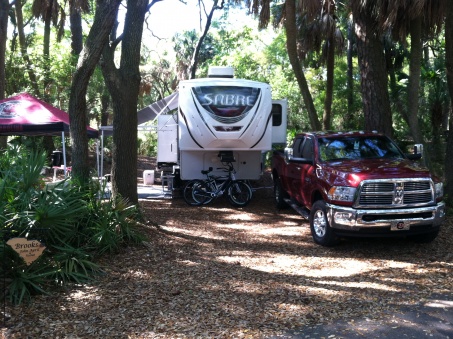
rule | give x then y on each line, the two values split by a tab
221	272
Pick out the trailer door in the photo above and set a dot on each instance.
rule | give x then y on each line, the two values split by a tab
167	140
279	121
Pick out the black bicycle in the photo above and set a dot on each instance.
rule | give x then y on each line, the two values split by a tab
201	192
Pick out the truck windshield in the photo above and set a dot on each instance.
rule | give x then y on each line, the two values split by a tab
357	147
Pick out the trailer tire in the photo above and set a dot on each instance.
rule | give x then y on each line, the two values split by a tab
320	229
280	195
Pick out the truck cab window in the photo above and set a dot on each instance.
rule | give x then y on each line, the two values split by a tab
307	149
297	147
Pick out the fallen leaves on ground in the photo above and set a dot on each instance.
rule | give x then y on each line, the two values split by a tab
221	272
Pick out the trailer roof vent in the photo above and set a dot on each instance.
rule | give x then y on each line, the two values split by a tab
220	72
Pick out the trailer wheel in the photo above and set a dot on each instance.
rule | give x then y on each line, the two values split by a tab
279	194
321	231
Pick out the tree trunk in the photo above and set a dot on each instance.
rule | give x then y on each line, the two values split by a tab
415	61
327	116
123	85
291	46
104	19
75	18
105	103
196	53
4	9
395	90
375	96
448	172
46	48
348	121
23	47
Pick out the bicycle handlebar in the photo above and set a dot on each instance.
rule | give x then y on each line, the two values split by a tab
229	169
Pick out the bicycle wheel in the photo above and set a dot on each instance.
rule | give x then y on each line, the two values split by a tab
196	193
202	192
188	193
239	193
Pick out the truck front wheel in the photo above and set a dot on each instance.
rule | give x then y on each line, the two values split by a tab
424	238
319	225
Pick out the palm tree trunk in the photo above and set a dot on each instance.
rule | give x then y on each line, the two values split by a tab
291	46
348	121
23	47
75	19
449	66
413	87
4	9
375	96
327	117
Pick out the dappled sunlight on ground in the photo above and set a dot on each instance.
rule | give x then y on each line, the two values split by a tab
220	272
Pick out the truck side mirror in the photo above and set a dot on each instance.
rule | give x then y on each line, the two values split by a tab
288	153
417	153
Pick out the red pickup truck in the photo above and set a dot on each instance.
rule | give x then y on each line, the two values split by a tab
357	184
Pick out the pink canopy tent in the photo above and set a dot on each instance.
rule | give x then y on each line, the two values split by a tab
24	114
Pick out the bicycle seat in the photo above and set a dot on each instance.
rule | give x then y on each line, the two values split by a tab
206	171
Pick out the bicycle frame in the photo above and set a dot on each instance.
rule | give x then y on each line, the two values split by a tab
201	192
219	183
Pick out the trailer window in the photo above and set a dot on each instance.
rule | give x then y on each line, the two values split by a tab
227	104
276	115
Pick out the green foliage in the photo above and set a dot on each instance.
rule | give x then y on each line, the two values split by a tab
73	223
110	225
147	144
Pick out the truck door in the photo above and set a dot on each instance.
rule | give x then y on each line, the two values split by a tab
293	170
301	171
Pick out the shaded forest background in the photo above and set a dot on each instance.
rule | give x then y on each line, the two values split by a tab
374	65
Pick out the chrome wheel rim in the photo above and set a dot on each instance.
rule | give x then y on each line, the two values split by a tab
319	223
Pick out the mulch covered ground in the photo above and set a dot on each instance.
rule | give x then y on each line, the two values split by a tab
222	272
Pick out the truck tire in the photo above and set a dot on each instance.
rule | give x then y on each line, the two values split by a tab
321	231
279	194
424	238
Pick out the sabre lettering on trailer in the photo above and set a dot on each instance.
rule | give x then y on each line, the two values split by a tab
227	104
229	99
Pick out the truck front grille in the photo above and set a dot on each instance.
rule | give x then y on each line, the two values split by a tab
395	193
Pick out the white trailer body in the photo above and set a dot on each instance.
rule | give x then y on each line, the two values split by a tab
218	116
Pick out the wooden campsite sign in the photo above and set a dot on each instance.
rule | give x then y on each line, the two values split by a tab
29	250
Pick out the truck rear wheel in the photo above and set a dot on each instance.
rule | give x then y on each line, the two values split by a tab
279	194
319	225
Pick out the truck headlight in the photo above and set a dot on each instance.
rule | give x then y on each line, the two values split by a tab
439	189
341	193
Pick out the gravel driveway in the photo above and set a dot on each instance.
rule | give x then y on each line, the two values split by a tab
220	272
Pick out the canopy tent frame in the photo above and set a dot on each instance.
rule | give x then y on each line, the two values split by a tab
26	115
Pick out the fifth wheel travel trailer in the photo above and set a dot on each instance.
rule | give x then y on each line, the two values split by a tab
220	119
